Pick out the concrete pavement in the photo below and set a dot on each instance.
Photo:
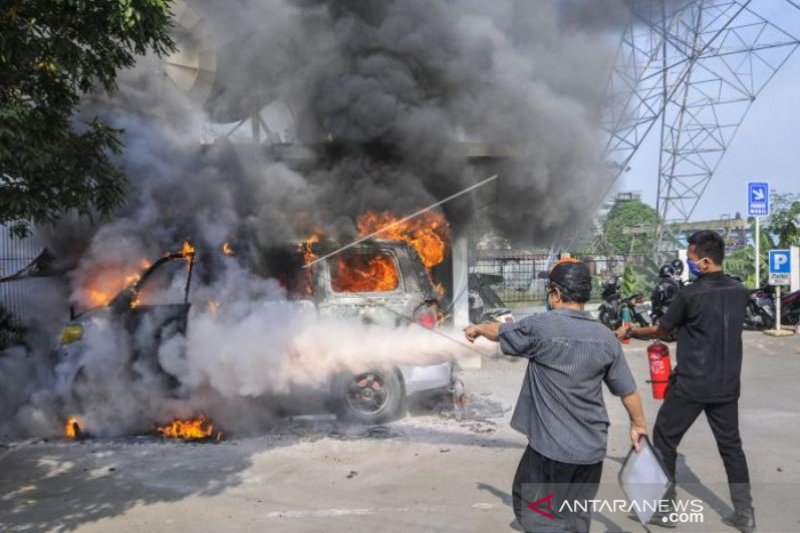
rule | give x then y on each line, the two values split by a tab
430	471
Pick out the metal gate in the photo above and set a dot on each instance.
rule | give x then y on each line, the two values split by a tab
16	295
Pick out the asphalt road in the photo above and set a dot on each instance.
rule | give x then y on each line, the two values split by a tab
431	471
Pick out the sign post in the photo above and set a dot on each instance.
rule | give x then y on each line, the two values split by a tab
758	206
780	271
758	254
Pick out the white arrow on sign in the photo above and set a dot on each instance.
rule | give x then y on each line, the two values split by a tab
758	194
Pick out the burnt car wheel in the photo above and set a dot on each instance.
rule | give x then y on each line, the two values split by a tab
370	397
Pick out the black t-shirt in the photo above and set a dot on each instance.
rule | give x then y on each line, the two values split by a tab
709	315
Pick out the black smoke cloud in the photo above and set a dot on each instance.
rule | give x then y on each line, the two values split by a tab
387	93
402	85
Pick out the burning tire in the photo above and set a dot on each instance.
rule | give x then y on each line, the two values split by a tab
370	397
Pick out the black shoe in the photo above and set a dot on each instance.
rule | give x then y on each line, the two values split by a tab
664	519
744	520
515	525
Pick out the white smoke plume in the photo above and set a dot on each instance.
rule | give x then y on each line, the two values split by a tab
388	92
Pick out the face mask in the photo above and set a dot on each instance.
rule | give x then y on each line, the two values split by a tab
696	272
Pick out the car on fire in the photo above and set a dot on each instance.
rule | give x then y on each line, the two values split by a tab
375	282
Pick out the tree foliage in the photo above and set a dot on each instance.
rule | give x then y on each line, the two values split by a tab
782	230
626	214
784	222
633	281
52	53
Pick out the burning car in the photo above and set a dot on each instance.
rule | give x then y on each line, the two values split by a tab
376	282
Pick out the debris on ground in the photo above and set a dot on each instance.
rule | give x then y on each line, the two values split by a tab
357	433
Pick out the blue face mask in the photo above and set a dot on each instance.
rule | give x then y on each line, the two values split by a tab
696	272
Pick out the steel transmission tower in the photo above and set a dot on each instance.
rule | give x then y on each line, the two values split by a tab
693	67
640	80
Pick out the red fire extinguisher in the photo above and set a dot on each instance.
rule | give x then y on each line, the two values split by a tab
660	368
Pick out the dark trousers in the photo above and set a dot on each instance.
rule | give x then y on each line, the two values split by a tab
538	477
677	415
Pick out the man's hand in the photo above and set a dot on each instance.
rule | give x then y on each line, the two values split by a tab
490	330
623	332
633	404
637	432
472	333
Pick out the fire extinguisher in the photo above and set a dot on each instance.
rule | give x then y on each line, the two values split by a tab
660	368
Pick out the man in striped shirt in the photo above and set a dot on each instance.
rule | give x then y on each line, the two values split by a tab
560	407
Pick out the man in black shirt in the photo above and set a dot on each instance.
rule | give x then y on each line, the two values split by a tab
708	315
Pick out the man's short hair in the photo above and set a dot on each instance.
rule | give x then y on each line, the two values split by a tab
574	280
708	244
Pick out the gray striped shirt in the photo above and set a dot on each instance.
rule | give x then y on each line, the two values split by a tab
560	407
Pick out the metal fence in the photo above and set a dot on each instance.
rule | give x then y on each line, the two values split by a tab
525	274
16	295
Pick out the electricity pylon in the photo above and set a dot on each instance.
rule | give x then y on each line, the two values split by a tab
694	68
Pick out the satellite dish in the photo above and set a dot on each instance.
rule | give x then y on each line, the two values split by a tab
193	66
211	68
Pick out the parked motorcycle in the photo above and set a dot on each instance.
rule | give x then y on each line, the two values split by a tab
664	292
612	308
761	308
485	305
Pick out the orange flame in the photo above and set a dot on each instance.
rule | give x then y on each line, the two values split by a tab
307	247
187	250
309	255
227	249
107	280
364	273
71	428
428	233
192	429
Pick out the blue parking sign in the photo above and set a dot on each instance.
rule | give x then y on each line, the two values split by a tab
780	267
757	199
780	262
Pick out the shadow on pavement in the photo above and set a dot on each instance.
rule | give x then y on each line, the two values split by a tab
60	485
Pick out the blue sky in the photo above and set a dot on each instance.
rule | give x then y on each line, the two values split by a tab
766	148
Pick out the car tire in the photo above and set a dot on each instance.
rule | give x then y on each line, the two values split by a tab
371	397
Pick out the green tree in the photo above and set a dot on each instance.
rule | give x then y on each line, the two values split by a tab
52	53
741	263
633	281
784	222
782	229
626	214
